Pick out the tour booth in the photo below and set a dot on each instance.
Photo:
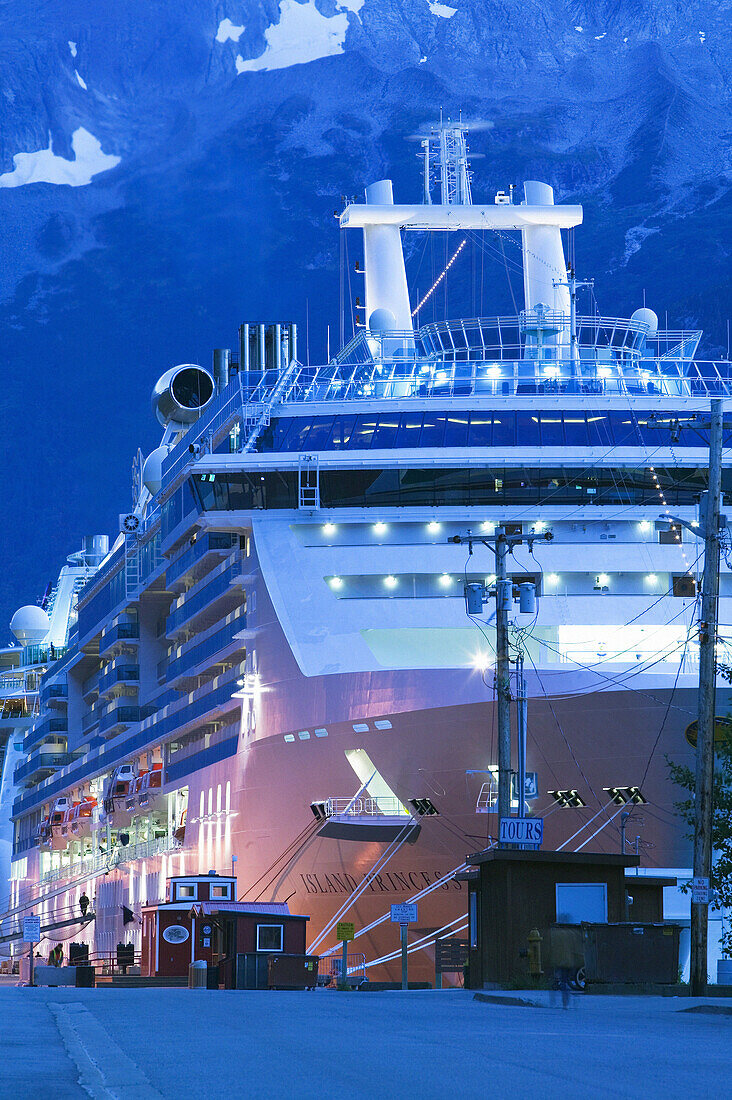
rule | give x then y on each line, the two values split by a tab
521	902
202	921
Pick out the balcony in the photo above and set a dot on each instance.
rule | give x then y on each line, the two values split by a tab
198	658
207	603
118	674
119	718
47	728
90	686
126	633
203	555
54	695
40	765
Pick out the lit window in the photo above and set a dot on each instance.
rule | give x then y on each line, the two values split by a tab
321	732
269	937
390	581
304	735
361	727
289	737
382	724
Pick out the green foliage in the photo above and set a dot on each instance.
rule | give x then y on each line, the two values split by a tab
721	881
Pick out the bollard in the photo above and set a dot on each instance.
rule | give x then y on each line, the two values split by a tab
198	974
535	941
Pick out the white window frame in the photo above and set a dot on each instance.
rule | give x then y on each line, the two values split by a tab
224	886
186	897
282	938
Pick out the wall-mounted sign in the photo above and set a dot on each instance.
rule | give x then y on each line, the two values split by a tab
176	933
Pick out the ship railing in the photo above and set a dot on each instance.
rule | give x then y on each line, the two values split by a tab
89	865
380	806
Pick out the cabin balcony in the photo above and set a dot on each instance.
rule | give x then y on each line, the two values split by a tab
124	636
116	674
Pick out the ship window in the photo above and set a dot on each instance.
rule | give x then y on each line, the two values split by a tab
319	435
433	431
409	429
363	433
481	430
269	937
552	434
504	431
342	430
304	735
382	724
456	431
321	733
527	430
361	727
386	432
289	737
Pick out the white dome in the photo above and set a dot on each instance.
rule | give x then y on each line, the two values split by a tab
152	470
30	624
648	317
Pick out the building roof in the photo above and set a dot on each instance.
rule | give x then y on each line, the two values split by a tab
515	855
249	908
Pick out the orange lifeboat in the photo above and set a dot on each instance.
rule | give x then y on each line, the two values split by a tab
149	789
134	791
81	816
180	833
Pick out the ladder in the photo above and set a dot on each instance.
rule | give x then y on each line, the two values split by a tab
308	477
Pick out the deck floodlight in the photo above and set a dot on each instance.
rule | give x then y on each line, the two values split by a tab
635	796
569	799
318	810
617	795
425	807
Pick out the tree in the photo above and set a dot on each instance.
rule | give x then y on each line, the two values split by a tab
721	880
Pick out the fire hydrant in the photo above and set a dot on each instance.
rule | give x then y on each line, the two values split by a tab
535	941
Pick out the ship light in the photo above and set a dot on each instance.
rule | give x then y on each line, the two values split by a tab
445	580
551	372
379	528
553	578
329	528
390	581
494	372
603	579
480	662
433	527
539	525
336	582
651	578
488	527
644	525
604	372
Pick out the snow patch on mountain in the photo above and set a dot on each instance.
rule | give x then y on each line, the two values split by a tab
228	31
302	35
72	47
81	81
43	166
442	10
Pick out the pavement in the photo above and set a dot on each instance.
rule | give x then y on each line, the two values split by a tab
161	1044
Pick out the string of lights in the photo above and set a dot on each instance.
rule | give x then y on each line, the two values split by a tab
440	277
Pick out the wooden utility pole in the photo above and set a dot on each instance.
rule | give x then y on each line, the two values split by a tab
703	792
504	601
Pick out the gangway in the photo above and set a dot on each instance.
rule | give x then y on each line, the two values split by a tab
63	919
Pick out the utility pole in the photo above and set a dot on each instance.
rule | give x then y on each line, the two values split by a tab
703	791
504	596
475	596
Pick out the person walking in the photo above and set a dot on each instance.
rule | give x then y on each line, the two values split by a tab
567	957
83	904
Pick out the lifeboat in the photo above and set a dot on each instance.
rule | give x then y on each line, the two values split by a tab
66	820
149	790
132	794
116	790
179	834
43	832
57	818
81	816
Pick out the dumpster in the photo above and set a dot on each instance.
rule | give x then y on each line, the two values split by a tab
251	970
85	976
632	952
292	971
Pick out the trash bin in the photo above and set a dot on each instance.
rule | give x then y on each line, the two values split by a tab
85	976
197	974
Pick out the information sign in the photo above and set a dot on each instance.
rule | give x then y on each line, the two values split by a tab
700	892
31	929
404	914
345	931
521	830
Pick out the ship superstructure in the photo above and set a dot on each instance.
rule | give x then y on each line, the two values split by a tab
275	664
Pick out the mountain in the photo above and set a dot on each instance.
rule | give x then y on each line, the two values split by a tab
169	170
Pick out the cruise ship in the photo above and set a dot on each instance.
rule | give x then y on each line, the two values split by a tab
274	673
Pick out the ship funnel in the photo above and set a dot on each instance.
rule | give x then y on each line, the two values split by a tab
544	263
182	394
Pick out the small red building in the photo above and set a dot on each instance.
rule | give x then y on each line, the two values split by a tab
203	920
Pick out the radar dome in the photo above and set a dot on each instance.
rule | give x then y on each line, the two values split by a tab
152	470
647	317
30	624
382	320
